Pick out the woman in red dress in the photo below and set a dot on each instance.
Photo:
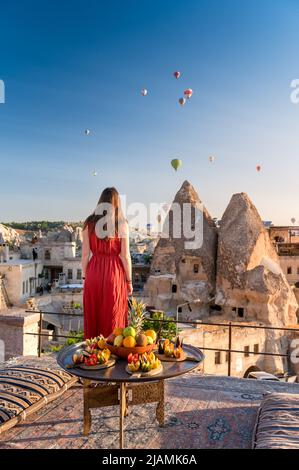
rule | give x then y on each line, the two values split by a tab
106	267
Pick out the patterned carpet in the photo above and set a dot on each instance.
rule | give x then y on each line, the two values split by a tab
201	412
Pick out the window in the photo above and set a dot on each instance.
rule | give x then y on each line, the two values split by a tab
47	254
23	287
70	274
256	349
174	288
157	271
196	268
180	310
27	286
240	312
234	309
79	274
226	356
183	260
289	270
246	351
218	308
218	357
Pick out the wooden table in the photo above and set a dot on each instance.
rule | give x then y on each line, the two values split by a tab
114	386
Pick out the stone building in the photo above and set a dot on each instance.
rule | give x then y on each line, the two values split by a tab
286	242
20	279
59	253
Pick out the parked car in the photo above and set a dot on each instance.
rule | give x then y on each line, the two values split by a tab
261	375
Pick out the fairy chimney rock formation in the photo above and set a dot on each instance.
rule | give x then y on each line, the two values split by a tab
180	271
249	278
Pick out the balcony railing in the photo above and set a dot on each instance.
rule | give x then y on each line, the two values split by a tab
196	323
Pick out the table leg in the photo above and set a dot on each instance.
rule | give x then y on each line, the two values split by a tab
122	411
160	415
87	415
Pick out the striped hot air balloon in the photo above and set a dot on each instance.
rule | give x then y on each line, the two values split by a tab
188	93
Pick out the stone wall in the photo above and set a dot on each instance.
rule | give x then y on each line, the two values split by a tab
212	337
13	326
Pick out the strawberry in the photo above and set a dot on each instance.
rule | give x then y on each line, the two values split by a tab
130	358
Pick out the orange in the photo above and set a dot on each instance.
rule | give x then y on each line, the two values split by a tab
118	331
129	342
152	334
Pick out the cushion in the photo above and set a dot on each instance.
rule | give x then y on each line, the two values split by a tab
277	424
24	390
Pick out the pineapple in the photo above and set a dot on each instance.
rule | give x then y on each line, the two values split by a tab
136	315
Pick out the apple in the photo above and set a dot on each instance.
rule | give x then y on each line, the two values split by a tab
129	331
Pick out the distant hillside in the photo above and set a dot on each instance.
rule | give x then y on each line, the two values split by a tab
43	225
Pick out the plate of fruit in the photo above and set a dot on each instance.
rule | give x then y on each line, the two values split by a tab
132	339
171	351
93	355
143	365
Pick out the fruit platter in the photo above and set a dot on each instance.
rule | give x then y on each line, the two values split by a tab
171	351
93	355
143	365
132	339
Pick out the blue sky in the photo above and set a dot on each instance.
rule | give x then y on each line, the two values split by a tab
69	66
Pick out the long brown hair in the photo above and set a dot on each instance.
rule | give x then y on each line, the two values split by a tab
108	196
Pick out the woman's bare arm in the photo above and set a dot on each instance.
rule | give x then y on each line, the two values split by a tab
85	250
125	255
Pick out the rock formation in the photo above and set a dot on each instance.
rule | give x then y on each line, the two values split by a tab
249	277
178	272
9	235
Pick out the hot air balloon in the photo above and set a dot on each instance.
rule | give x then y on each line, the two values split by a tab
188	93
177	74
293	220
182	101
87	131
211	159
176	163
144	91
258	168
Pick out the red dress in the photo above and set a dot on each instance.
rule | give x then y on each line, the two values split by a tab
105	297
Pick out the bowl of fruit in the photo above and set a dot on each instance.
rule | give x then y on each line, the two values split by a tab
125	341
144	365
132	339
93	355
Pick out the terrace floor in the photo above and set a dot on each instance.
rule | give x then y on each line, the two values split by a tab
201	412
